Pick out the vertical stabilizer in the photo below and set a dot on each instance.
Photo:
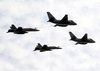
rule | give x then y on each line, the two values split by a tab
72	36
13	27
51	17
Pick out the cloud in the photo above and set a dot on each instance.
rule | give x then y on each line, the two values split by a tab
16	51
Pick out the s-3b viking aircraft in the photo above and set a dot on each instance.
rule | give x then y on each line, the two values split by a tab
45	48
83	40
63	22
20	30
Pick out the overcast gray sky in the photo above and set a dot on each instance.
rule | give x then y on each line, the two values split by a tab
16	52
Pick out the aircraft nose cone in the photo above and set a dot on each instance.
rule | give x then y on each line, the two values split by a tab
60	48
26	32
37	30
75	24
93	41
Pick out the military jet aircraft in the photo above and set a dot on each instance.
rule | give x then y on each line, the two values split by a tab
63	22
83	40
20	30
45	48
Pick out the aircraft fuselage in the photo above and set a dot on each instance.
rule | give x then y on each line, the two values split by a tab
80	41
63	23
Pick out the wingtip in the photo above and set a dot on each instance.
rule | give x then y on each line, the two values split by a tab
59	48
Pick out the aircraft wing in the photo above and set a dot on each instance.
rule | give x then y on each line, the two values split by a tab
30	29
64	18
84	38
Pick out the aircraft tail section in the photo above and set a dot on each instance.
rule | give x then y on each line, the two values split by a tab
51	17
13	27
72	36
38	47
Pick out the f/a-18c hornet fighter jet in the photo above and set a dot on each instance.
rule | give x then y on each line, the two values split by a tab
63	22
45	48
83	40
20	30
